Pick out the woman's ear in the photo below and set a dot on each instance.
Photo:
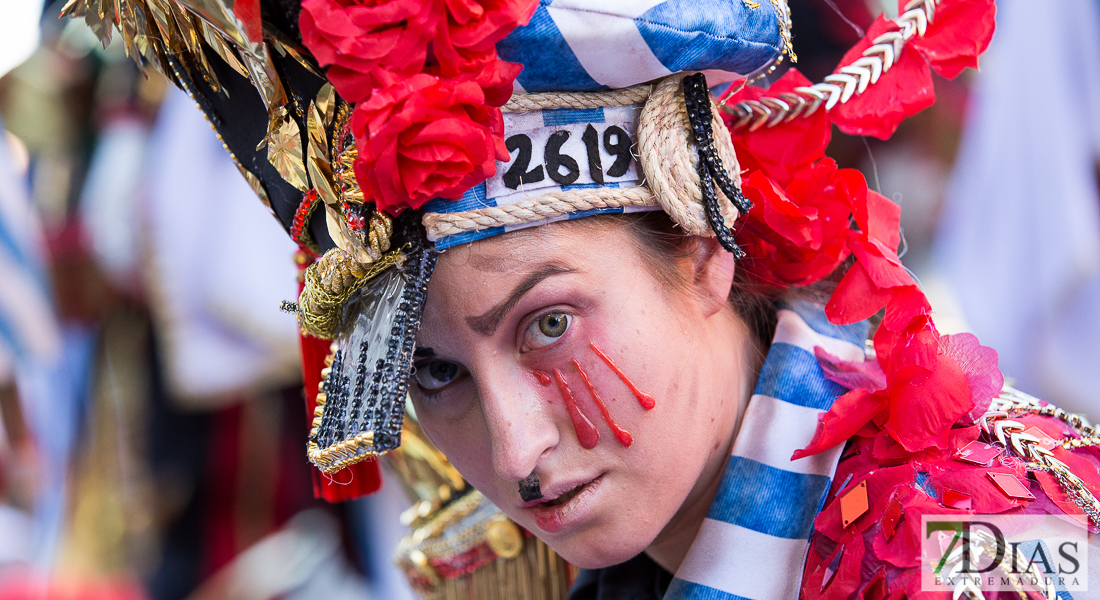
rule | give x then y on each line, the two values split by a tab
714	269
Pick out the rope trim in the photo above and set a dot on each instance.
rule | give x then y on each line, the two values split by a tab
552	100
666	154
840	87
440	225
330	283
669	158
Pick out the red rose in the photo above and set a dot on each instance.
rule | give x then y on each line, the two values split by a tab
474	27
425	138
796	235
367	43
495	76
464	46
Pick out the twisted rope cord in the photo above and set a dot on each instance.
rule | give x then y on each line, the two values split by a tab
549	205
551	100
667	156
669	159
840	87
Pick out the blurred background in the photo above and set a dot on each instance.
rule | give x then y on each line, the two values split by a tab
153	424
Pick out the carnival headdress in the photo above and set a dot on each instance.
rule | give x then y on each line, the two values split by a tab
381	132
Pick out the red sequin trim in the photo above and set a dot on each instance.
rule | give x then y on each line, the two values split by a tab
298	227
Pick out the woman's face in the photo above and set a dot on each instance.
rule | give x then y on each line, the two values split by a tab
511	361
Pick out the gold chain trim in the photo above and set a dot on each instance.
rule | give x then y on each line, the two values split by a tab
840	87
997	424
330	282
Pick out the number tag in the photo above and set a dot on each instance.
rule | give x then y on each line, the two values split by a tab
553	149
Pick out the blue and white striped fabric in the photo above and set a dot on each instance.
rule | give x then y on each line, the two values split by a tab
578	45
28	329
571	142
766	504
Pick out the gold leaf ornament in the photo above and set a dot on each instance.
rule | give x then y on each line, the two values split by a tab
284	149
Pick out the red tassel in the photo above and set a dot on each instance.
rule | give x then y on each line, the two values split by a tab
349	483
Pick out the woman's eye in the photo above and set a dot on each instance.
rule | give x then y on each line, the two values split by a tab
546	330
438	374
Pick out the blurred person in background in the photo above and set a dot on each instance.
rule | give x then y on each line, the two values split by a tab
1019	235
148	373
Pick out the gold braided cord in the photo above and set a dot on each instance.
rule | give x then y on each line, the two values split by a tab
550	205
550	100
849	80
329	283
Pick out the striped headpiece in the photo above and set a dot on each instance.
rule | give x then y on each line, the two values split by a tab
562	139
589	45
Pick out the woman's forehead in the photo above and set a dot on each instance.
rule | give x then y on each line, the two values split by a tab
518	251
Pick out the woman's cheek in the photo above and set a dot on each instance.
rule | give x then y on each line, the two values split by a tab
587	382
448	405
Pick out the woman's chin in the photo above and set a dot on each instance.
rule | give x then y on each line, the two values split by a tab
595	549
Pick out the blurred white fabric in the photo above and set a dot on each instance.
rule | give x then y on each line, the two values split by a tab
302	561
218	266
108	200
1019	239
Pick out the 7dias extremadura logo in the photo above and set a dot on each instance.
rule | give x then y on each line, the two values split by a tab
984	553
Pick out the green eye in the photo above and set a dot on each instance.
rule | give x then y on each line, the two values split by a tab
554	324
546	330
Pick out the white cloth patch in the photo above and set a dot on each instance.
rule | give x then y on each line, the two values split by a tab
609	47
558	149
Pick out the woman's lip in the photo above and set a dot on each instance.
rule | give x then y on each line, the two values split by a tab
553	519
556	490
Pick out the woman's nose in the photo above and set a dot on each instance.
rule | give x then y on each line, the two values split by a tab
520	425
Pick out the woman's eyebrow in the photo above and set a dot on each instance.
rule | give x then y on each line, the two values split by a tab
486	324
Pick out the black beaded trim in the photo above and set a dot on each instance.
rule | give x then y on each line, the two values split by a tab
390	413
710	167
382	408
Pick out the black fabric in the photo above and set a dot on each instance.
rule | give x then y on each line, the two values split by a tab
636	579
240	118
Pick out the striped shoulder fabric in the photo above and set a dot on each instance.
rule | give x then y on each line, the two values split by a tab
587	45
766	504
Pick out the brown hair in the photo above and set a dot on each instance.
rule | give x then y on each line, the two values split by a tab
665	246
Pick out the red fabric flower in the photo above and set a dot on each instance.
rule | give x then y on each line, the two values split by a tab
960	32
795	235
918	366
464	45
900	93
878	278
495	76
787	148
979	364
367	43
425	138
